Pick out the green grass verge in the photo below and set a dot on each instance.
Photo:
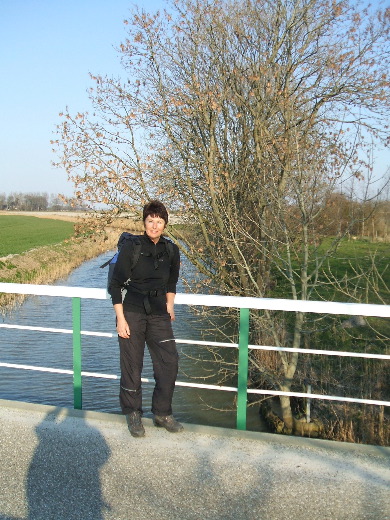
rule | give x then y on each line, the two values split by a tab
352	260
19	234
359	253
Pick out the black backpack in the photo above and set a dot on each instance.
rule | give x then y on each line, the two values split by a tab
135	251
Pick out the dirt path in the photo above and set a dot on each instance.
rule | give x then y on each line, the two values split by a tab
69	216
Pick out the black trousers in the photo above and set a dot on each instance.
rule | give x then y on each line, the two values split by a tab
156	331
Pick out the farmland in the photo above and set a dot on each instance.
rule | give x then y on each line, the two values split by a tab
19	234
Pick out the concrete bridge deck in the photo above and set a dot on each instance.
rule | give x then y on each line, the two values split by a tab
73	465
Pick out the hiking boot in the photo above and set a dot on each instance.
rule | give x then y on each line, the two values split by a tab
134	424
168	422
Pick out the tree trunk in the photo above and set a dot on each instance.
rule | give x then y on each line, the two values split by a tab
287	416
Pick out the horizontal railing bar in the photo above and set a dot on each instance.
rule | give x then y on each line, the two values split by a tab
322	352
212	300
111	335
62	331
205	387
319	396
279	304
54	290
212	343
206	343
288	349
37	368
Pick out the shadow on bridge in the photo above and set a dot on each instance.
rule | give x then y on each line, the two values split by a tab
64	465
63	478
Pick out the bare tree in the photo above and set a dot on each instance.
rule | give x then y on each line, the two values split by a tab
244	115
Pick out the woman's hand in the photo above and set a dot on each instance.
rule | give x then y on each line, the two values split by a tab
123	328
171	311
170	303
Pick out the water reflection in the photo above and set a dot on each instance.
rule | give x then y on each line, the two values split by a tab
102	355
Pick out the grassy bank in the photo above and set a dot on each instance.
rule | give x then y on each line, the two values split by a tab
41	251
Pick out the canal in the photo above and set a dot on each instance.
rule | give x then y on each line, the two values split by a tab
215	408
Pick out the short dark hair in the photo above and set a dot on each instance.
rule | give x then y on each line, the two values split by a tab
155	208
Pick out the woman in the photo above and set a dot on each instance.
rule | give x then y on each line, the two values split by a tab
145	315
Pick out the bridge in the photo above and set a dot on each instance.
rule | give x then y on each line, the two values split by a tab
59	463
73	464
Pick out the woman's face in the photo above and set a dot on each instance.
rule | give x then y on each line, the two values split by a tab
154	227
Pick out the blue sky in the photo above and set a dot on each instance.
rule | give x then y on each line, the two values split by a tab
47	49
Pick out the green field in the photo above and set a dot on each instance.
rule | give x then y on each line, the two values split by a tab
355	258
19	233
352	263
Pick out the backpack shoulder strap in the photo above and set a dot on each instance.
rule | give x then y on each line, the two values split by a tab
108	262
170	250
136	250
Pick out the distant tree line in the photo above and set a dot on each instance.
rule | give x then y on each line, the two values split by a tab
17	201
354	218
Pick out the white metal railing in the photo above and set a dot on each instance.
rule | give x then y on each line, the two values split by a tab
242	303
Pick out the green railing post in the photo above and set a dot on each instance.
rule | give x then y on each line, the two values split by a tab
77	389
242	386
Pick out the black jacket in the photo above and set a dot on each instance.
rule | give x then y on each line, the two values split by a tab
152	277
